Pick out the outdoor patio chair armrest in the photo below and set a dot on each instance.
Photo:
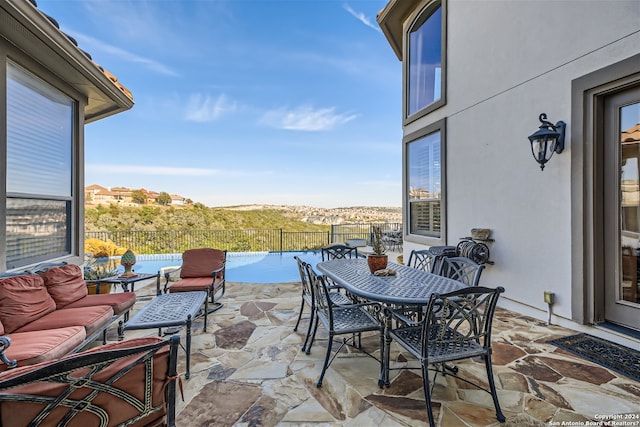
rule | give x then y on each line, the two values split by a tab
166	272
217	270
400	314
375	305
5	342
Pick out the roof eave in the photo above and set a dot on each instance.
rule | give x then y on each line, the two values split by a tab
45	42
391	20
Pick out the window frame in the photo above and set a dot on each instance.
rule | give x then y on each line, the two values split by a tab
10	55
438	126
420	16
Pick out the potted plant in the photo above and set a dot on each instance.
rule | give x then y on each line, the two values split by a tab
97	267
378	259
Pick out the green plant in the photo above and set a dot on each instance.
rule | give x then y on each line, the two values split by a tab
96	268
376	241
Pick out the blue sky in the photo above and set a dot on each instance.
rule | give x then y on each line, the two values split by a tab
293	102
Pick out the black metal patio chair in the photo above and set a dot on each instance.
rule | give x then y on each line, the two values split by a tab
462	269
463	333
339	251
424	260
338	319
309	300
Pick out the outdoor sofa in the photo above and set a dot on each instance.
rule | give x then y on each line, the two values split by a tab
127	383
47	313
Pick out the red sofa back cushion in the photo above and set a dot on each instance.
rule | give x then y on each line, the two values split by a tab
23	299
65	284
202	262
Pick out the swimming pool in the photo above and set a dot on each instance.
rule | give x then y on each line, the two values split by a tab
247	267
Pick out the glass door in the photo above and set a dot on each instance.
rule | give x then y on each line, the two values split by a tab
622	208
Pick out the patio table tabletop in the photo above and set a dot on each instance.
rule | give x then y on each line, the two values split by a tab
409	286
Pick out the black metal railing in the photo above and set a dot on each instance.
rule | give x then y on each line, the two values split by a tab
249	240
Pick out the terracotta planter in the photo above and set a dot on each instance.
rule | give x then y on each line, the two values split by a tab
377	262
105	288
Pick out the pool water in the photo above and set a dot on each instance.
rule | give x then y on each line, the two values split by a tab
247	267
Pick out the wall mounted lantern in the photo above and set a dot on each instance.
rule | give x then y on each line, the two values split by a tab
548	139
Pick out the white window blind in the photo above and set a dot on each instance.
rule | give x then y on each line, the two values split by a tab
39	136
38	170
425	185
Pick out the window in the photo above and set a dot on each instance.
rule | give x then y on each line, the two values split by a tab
424	64
38	171
424	191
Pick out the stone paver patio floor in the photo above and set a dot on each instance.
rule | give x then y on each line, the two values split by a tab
248	370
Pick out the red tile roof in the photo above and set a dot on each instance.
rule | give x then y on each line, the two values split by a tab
631	135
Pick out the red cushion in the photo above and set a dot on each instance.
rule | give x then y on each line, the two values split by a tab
118	302
201	262
192	284
65	284
1	329
23	299
92	318
29	348
22	336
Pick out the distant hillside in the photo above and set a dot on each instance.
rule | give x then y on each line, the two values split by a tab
291	218
331	215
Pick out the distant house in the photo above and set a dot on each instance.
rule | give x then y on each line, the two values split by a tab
177	199
97	194
476	77
151	196
52	85
94	193
122	194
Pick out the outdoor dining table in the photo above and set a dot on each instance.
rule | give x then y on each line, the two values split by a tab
408	286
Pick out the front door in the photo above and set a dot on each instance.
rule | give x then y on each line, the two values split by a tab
621	197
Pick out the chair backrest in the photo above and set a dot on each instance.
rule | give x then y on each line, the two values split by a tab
461	269
423	260
322	300
202	262
121	383
455	320
339	251
304	277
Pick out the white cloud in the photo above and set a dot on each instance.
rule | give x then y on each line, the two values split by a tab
204	108
306	118
94	46
362	18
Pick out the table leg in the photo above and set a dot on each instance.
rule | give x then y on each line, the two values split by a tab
188	349
382	353
206	312
384	374
121	327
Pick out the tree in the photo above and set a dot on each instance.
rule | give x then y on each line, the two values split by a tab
139	197
163	199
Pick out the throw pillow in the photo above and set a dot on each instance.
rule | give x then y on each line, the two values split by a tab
65	284
23	299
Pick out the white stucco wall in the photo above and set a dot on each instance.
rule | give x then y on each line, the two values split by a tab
509	61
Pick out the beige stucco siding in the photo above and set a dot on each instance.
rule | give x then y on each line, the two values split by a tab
507	62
